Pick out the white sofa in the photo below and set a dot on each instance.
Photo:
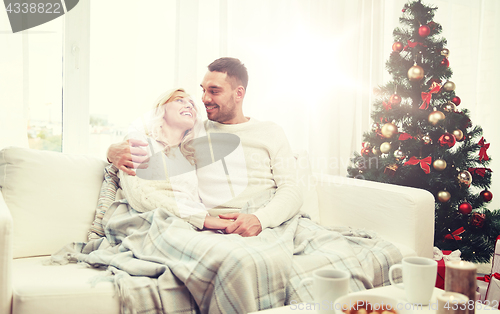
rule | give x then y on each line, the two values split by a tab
48	200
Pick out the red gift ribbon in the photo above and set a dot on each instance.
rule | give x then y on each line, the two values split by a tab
482	151
455	234
387	106
487	278
405	136
426	97
479	171
424	163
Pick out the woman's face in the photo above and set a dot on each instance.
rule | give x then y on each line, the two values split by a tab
180	111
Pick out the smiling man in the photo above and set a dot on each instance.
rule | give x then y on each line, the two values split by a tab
271	195
269	161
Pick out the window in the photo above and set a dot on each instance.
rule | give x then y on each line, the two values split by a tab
31	62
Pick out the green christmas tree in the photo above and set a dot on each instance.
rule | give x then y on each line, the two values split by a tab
420	139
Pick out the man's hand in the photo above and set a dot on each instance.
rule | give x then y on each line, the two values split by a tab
216	223
128	155
246	225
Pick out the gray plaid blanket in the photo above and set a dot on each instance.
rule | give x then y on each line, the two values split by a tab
161	264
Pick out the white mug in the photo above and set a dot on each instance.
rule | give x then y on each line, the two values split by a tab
328	285
419	278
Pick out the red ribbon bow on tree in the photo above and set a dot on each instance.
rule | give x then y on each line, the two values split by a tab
479	171
404	136
487	278
455	234
387	106
426	97
413	44
482	151
424	163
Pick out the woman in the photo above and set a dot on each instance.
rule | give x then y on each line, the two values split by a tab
170	181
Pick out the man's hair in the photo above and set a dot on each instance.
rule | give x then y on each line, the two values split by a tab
233	68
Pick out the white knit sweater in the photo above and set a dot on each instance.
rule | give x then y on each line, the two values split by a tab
268	165
175	189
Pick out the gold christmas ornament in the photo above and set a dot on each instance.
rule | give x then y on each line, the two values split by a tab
415	73
435	117
385	147
445	52
389	129
439	164
459	135
449	86
450	107
444	196
376	151
464	177
399	154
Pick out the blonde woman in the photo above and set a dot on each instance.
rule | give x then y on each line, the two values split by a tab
169	181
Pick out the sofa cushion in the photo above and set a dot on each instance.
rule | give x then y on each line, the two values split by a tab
72	288
307	181
42	225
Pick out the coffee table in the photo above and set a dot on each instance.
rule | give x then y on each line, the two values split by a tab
387	291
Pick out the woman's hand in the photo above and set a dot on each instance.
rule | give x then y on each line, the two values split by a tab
216	223
128	155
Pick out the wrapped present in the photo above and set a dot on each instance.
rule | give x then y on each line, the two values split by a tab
495	264
482	287
441	257
488	286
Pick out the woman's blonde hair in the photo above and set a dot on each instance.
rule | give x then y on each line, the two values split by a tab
159	120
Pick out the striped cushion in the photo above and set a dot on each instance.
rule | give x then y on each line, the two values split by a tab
107	196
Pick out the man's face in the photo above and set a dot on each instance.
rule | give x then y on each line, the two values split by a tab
218	97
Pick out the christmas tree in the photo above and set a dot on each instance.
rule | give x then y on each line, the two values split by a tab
420	139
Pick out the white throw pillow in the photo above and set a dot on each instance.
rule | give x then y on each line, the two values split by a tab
51	196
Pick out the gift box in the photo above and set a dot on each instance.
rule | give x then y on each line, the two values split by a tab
482	287
441	257
489	285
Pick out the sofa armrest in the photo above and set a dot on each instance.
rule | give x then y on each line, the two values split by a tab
396	213
6	236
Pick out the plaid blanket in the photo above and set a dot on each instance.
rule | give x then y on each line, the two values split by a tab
161	264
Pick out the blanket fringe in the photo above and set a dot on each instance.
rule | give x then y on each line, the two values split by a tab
122	289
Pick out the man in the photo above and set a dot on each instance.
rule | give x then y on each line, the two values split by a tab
269	162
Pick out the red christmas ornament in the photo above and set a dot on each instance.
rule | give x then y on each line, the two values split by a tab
424	31
397	46
404	10
447	139
486	195
477	220
445	62
465	208
395	99
456	100
365	151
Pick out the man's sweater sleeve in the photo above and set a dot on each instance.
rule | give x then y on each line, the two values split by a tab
289	196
